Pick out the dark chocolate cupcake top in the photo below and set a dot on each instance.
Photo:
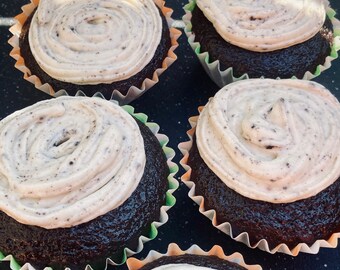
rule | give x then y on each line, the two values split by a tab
193	258
272	140
92	42
265	25
66	161
192	262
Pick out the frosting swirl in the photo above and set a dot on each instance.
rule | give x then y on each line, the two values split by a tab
181	266
272	140
94	41
68	160
266	25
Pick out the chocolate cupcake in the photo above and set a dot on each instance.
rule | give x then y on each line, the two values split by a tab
193	258
82	181
271	39
263	164
117	48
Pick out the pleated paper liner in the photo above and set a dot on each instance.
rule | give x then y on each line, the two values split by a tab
224	77
175	250
226	227
170	200
133	92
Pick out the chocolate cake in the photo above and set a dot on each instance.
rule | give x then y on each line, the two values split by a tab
198	260
106	89
299	222
106	235
283	63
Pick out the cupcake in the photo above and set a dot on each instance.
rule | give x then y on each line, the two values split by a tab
81	180
118	47
193	258
271	39
263	163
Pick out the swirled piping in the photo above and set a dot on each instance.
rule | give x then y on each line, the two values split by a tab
181	266
272	140
68	160
94	41
266	25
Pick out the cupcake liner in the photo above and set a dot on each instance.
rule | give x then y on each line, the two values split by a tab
133	92
226	227
224	77
170	200
175	250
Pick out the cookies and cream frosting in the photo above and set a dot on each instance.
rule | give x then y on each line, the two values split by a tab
272	140
265	25
181	266
94	41
68	160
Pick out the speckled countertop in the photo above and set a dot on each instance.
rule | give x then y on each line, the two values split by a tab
181	89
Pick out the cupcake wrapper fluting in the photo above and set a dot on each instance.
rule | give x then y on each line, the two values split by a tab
175	250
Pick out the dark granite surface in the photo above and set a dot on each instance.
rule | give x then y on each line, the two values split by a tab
181	89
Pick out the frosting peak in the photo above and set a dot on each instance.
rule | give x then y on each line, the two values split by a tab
272	140
94	41
265	25
66	161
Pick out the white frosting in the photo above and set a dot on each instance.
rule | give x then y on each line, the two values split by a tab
265	25
93	41
182	266
272	140
68	160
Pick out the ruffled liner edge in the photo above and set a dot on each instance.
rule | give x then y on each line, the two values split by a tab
175	250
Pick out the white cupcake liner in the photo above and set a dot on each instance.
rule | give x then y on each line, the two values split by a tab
170	199
175	250
226	227
224	77
133	92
